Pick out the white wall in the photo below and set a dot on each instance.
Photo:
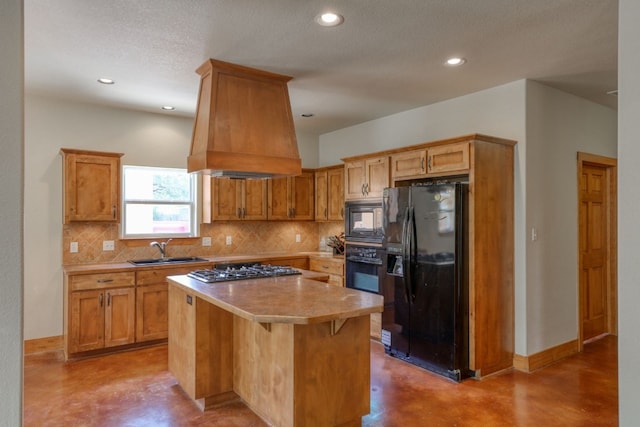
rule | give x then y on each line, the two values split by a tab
499	111
550	127
629	196
50	124
558	126
11	190
146	139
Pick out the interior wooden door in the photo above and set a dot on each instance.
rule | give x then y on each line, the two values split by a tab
596	236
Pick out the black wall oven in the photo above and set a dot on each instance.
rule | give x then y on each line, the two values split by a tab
363	266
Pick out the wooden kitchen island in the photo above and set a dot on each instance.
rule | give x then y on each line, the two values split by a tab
295	350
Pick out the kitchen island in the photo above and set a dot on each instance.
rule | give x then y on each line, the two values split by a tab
295	350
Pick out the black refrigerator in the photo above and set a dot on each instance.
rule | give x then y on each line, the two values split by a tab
425	277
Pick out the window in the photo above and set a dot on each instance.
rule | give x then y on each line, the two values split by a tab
158	202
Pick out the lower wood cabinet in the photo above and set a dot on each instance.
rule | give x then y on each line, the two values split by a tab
152	297
333	266
101	318
299	262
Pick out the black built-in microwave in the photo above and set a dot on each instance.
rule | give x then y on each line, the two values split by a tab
363	221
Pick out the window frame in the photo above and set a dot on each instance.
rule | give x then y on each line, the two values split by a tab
194	203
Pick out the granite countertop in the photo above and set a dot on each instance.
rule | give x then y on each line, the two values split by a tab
291	299
113	267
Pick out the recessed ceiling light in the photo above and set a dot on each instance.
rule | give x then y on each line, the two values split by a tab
329	19
168	107
106	81
455	61
307	114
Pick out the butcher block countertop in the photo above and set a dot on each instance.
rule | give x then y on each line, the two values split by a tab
284	299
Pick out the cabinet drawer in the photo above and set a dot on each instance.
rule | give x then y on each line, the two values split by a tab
149	277
326	266
101	281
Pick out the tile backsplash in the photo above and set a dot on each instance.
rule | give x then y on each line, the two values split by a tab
247	237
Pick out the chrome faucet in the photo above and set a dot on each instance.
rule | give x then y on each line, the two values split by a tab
162	247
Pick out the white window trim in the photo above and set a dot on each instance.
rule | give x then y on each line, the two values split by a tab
195	203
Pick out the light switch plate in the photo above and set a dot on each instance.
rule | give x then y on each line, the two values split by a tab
206	241
108	245
73	247
298	238
228	240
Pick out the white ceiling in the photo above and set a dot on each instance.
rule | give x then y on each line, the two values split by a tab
387	57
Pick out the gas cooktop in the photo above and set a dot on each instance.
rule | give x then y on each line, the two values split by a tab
241	272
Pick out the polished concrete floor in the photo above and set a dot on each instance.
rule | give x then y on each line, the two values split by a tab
135	389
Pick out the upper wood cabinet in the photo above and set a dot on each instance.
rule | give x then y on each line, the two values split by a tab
448	158
91	185
226	199
366	178
410	163
291	198
330	194
440	160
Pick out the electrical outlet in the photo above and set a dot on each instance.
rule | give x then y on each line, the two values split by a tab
108	245
298	238
73	247
228	240
206	241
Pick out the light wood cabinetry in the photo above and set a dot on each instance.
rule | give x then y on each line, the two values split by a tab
329	186
295	262
291	198
333	266
409	164
91	185
434	161
448	158
365	178
488	165
151	302
100	312
226	199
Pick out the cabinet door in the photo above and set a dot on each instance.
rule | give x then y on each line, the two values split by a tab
409	164
377	174
278	195
254	203
354	175
321	178
335	196
151	312
86	323
302	199
91	187
225	199
447	158
119	316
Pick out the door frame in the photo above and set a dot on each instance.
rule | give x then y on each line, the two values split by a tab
611	166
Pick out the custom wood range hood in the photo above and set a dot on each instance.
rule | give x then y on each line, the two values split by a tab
243	126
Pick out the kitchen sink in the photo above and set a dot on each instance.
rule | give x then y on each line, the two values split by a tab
173	260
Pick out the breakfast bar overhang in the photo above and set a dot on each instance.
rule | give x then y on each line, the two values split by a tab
294	350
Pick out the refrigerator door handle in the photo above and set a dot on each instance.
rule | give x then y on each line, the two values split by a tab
412	252
406	274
